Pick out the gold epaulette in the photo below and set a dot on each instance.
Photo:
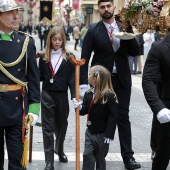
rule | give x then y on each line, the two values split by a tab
25	34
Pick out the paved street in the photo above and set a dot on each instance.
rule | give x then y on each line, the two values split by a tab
140	117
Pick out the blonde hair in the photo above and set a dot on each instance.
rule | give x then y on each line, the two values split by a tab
103	84
55	30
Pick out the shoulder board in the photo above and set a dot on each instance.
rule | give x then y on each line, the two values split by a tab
25	34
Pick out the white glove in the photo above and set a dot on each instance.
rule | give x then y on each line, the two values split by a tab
35	118
108	140
83	89
77	104
163	116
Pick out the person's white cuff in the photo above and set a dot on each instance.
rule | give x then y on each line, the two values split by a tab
77	104
35	118
108	140
83	89
163	115
83	86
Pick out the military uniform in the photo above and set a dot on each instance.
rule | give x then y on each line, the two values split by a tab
15	100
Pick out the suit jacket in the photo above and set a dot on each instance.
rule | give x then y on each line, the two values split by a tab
158	61
98	41
103	117
40	30
11	102
22	28
140	41
64	77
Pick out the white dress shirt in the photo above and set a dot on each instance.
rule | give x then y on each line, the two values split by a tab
116	41
55	55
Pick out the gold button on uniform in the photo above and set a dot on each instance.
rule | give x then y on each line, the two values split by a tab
16	98
19	69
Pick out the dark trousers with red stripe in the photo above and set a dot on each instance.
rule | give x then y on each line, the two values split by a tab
13	137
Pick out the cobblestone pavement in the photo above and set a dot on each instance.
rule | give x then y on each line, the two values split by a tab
140	117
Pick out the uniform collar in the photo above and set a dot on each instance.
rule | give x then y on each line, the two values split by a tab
1	32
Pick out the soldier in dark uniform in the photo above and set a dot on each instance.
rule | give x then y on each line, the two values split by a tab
18	76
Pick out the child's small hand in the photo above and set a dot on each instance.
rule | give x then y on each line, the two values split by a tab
108	140
77	104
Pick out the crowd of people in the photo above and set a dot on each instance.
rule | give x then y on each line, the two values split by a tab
106	103
144	41
77	31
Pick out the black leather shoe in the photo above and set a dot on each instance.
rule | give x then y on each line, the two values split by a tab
49	166
132	164
63	158
153	155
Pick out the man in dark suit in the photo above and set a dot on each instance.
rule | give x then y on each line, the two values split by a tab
29	27
158	62
18	72
112	53
22	27
40	28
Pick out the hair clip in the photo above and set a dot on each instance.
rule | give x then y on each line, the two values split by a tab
97	73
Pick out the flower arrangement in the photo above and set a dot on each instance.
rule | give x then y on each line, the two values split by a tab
151	7
156	8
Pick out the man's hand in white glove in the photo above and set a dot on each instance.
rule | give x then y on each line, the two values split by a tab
83	89
108	140
77	104
163	116
35	118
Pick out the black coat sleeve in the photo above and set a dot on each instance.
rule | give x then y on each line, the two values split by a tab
32	75
112	119
150	78
87	48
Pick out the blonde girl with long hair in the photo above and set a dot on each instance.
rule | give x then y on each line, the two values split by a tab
100	104
57	75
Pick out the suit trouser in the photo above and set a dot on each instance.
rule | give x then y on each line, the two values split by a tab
55	110
95	151
154	133
41	42
133	61
161	160
123	123
13	137
139	63
76	43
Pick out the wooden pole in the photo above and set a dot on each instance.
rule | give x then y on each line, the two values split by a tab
77	76
31	127
30	143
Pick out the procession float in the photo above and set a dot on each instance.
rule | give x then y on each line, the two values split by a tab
145	14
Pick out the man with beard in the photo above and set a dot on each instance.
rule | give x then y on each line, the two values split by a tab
18	72
112	53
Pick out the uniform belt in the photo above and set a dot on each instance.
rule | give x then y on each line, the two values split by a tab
114	74
9	87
